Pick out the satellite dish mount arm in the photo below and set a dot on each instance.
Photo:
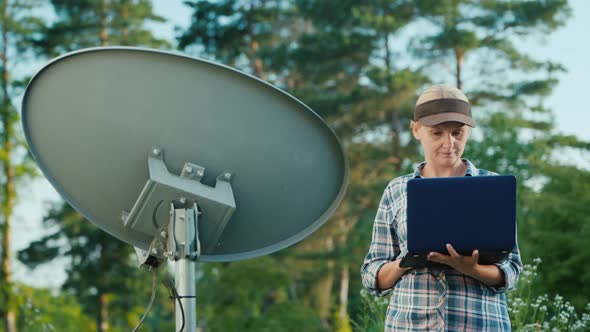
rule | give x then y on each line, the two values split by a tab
179	237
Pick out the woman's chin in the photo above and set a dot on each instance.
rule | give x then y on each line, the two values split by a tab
447	161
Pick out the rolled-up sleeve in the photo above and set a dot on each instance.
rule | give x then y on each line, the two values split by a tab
384	245
511	268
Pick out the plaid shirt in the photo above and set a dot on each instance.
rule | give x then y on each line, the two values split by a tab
432	299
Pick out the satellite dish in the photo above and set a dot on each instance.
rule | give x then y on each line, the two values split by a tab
130	137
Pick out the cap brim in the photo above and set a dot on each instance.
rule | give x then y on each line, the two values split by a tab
432	120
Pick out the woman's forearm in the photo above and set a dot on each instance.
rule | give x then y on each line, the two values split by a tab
389	274
489	275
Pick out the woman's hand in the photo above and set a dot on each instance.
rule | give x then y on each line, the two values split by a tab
464	264
489	275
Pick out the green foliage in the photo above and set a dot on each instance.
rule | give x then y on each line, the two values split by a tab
531	311
517	134
342	324
16	24
249	35
252	295
487	31
558	224
342	58
340	61
102	273
89	23
101	266
288	317
372	316
40	310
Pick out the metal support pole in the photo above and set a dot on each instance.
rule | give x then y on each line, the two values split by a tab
186	238
186	287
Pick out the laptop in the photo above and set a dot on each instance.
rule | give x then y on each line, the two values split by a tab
469	212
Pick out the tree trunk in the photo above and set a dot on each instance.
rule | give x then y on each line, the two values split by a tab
395	126
104	34
125	16
8	193
258	66
395	141
459	56
387	52
323	289
344	321
102	323
324	294
255	61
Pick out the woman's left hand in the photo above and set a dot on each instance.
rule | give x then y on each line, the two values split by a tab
464	264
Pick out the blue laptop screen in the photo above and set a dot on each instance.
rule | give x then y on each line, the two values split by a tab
469	212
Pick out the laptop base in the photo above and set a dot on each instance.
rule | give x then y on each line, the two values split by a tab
419	260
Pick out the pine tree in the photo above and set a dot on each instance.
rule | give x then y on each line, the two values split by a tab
16	25
103	273
99	263
517	134
238	33
91	23
353	80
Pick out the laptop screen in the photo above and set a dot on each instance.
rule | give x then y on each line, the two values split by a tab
469	212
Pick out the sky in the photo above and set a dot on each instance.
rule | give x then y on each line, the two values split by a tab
572	116
565	46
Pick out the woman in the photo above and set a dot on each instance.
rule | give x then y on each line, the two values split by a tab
460	295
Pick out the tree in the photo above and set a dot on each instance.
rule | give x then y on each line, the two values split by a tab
16	24
252	295
90	23
341	61
239	33
558	224
322	60
518	134
353	81
39	310
464	28
100	264
103	274
480	38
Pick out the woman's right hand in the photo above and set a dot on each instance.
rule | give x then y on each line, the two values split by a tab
390	273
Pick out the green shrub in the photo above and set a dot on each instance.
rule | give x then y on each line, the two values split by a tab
528	310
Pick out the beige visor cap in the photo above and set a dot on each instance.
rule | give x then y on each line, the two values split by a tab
441	103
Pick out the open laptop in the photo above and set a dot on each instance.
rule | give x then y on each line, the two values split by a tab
469	212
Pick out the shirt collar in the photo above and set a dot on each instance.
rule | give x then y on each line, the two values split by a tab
471	169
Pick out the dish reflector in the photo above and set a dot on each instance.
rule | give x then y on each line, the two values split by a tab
92	118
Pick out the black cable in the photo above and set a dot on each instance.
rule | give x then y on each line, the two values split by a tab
149	307
174	296
180	305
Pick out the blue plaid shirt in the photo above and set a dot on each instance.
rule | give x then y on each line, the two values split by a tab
432	299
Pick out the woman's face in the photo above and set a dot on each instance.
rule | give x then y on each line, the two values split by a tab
444	143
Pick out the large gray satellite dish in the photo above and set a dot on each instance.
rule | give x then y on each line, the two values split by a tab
127	136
